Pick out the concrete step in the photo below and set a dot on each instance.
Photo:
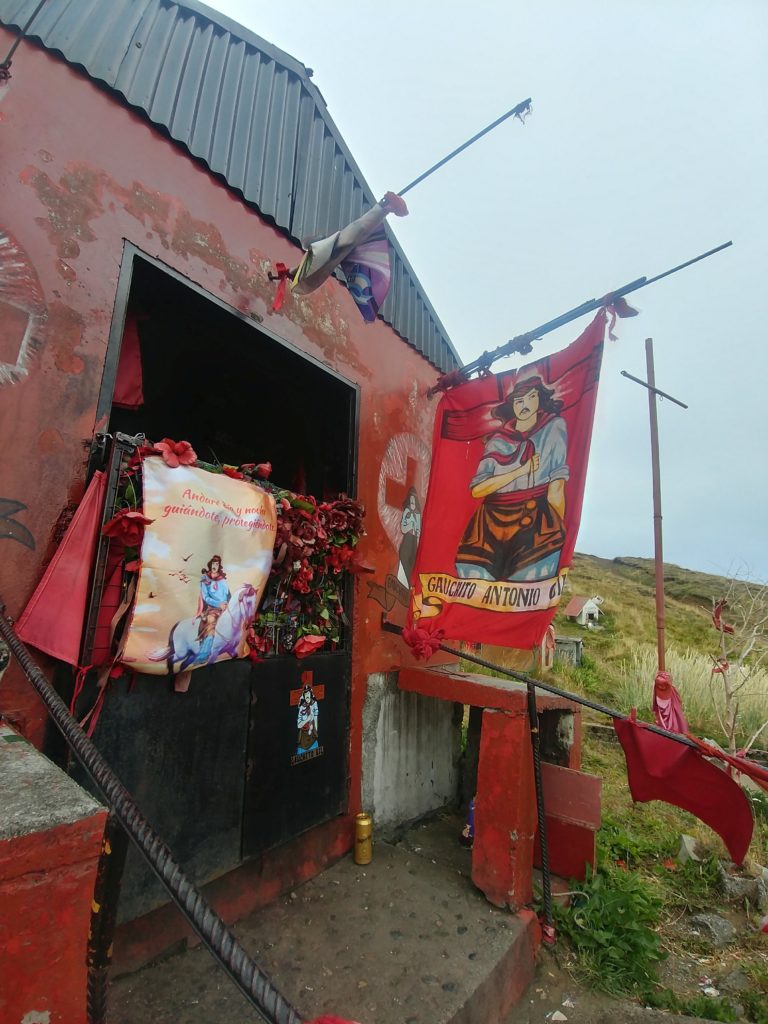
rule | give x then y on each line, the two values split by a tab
406	939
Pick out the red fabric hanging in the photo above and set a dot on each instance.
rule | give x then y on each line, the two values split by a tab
55	615
660	768
129	384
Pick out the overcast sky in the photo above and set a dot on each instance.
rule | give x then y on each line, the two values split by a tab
647	146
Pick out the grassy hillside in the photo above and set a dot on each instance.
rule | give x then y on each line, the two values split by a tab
627	586
620	656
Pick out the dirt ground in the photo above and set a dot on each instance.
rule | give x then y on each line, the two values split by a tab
555	992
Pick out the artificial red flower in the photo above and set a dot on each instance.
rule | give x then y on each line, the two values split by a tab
176	453
127	528
308	644
258	644
339	1020
423	642
231	471
263	469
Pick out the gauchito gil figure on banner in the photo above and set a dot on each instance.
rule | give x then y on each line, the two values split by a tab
502	513
518	531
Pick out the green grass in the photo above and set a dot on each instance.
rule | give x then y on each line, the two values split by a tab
638	878
620	658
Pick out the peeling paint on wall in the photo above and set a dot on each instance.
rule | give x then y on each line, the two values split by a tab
37	1017
83	193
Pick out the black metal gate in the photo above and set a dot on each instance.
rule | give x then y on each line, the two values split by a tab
297	748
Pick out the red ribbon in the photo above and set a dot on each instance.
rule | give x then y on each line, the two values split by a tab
617	307
282	275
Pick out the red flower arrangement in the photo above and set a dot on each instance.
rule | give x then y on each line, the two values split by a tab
302	610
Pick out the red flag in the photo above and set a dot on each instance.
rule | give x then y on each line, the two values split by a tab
660	768
502	511
55	615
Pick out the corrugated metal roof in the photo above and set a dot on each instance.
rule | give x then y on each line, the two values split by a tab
245	108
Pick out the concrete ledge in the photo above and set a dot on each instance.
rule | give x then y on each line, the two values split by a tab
50	841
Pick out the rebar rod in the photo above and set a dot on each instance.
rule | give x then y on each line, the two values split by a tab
214	933
523	343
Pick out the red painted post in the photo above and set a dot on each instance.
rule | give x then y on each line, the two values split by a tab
50	839
505	811
658	552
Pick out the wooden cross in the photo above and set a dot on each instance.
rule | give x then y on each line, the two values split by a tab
397	490
306	680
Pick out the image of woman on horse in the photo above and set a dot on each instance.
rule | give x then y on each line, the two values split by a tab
214	595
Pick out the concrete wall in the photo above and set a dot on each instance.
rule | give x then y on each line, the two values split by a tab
50	840
411	747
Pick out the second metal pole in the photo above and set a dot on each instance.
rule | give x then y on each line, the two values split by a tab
658	553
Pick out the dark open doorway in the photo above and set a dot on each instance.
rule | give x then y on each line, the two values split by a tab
215	769
213	378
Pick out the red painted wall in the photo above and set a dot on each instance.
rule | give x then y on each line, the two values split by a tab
46	888
79	173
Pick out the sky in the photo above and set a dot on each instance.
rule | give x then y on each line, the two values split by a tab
646	147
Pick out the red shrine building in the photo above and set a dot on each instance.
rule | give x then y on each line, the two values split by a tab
158	161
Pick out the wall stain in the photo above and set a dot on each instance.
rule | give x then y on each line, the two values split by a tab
69	335
71	204
50	441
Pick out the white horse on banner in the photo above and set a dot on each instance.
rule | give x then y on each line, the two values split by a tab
184	641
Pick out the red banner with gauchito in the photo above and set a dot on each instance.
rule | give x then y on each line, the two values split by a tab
504	503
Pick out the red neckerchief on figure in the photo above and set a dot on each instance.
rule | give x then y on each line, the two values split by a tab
525	446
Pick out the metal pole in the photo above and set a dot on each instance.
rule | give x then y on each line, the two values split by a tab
5	65
517	111
658	552
548	926
523	343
